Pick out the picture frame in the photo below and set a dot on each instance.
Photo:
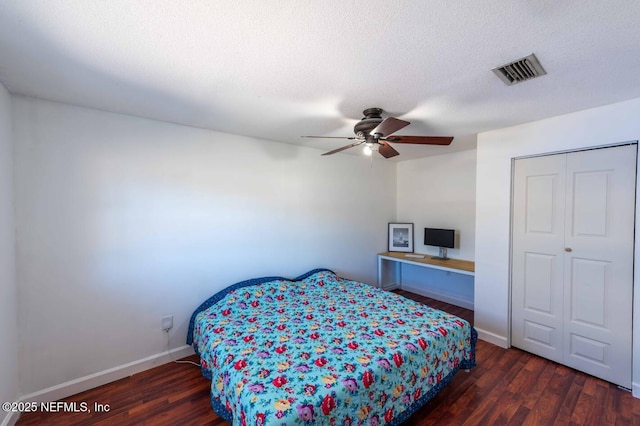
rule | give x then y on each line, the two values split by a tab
401	237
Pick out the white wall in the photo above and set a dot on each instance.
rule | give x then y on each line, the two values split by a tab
594	127
440	192
122	220
8	289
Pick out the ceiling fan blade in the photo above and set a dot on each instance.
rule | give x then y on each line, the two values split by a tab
425	140
388	126
387	150
343	148
330	137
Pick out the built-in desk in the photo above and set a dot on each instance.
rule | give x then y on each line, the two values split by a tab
390	272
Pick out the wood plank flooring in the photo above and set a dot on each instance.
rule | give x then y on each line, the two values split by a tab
508	387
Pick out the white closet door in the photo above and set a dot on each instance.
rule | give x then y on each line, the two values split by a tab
598	276
572	259
538	255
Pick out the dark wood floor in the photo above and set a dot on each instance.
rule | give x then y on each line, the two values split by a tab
507	387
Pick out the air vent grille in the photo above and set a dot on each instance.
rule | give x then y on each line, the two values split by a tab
521	70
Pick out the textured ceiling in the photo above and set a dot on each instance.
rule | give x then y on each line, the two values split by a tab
281	69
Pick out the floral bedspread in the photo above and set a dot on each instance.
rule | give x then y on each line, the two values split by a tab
326	350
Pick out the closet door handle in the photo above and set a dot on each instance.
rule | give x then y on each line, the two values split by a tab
568	249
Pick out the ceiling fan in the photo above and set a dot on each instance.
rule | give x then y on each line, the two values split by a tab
376	133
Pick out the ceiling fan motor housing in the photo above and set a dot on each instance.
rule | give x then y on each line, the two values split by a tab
372	117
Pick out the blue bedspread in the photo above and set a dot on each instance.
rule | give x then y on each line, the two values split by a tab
325	350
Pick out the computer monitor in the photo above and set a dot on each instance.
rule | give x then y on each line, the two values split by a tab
441	238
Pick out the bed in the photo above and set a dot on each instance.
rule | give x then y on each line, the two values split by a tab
324	350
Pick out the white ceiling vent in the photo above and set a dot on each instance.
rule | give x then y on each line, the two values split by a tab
520	70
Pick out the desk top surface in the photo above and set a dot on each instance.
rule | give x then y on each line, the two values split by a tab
464	265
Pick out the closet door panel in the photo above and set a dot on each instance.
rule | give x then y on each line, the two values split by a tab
600	210
538	235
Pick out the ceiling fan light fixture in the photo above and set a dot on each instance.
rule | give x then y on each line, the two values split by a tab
370	148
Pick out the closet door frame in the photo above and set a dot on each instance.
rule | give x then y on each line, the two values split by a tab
511	231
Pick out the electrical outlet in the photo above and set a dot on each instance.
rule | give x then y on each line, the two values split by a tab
167	322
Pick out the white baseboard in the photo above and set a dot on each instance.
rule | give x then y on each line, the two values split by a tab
635	389
448	298
391	287
10	419
496	339
72	387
